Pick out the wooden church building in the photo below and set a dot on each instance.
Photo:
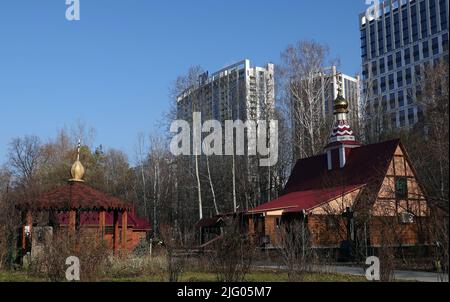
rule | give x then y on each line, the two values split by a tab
367	195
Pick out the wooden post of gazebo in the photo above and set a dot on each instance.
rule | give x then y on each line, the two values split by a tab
116	232
124	229
101	223
27	221
72	221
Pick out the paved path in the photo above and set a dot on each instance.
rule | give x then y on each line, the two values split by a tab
359	271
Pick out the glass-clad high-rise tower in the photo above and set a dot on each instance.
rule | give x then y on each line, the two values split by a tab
399	38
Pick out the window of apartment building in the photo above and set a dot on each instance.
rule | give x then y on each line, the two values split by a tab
363	44
375	87
417	73
365	71
416	53
391	82
394	120
405	26
444	14
395	5
435	45
388	33
414	23
425	49
398	59
390	62
382	66
387	9
418	92
401	187
402	118
408	76
445	42
433	16
407	56
410	96
411	118
373	50
397	30
380	37
400	79
384	104
374	69
383	84
392	101
401	99
423	19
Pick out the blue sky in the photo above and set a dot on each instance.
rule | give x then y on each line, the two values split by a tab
113	68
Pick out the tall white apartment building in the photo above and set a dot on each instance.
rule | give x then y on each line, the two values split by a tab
236	92
400	38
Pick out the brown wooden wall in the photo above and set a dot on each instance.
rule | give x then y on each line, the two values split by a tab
133	236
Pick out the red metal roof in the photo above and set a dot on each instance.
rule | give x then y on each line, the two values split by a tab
312	184
75	195
364	164
304	200
91	219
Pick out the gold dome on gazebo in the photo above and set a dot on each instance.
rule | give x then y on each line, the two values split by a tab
77	171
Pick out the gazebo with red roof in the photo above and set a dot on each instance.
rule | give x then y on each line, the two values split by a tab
76	200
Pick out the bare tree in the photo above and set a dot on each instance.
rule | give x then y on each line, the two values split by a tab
82	131
433	102
140	155
303	73
295	248
430	152
7	228
216	208
232	254
25	157
188	83
176	253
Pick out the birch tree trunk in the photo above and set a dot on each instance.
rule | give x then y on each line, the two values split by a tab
199	188
234	183
212	186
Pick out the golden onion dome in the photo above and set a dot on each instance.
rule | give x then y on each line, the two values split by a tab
77	171
340	105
